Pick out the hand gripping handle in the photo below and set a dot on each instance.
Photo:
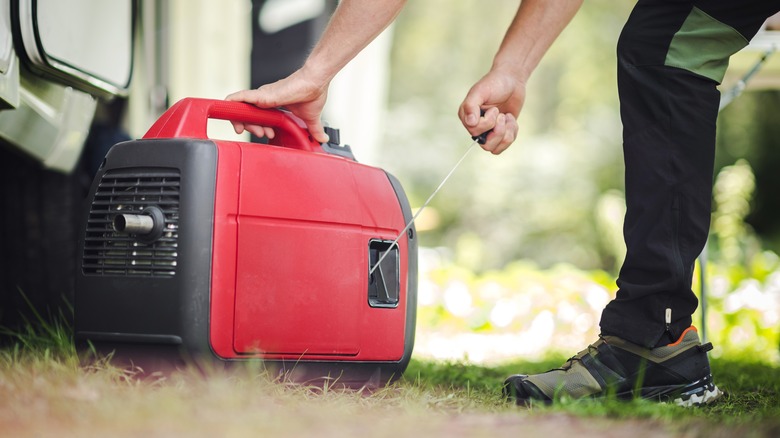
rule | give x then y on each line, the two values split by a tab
187	119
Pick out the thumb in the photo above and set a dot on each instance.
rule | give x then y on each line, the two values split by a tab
316	130
470	114
258	97
470	108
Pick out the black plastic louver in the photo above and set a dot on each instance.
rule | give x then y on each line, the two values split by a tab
111	253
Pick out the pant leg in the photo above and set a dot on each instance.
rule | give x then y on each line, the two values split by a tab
671	56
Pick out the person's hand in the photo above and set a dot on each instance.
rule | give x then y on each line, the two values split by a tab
298	94
501	96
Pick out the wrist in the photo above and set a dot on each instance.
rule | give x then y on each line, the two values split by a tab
316	73
513	71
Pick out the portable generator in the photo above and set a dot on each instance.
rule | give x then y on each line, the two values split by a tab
240	251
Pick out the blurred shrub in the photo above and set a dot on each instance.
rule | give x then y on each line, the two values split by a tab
743	306
527	311
520	310
531	311
733	191
744	280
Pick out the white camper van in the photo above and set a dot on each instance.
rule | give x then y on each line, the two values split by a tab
59	60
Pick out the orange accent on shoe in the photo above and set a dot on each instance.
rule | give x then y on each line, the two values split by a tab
683	335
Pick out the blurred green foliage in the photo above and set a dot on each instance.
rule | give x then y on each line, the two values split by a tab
743	279
540	199
527	311
532	311
749	129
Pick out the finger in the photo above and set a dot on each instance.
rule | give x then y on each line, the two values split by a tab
510	135
497	130
469	115
489	120
238	127
260	131
255	97
240	96
257	131
316	130
485	126
469	110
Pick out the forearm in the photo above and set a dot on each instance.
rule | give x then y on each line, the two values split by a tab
354	24
535	26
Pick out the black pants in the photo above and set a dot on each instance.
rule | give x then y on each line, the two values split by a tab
671	56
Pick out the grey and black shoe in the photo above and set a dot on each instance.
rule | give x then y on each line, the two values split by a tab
678	372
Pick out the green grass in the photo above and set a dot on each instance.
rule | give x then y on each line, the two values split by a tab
45	390
752	390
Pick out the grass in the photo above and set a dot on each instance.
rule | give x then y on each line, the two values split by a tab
46	391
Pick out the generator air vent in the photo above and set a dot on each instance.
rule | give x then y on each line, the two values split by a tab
130	191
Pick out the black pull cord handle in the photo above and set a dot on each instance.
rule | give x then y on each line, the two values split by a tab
481	138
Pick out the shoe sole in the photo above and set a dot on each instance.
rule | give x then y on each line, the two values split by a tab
699	396
698	393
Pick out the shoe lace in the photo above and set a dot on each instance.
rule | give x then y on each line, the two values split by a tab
578	357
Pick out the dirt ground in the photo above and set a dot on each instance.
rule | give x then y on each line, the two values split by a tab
86	411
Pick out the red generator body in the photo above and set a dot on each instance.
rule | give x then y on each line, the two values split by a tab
244	251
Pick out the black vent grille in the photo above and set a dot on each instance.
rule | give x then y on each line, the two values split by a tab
109	253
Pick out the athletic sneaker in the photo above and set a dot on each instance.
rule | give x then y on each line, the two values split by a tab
678	372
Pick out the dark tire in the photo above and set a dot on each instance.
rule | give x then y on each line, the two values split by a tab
40	212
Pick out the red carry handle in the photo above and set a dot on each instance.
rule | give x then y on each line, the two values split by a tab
187	119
